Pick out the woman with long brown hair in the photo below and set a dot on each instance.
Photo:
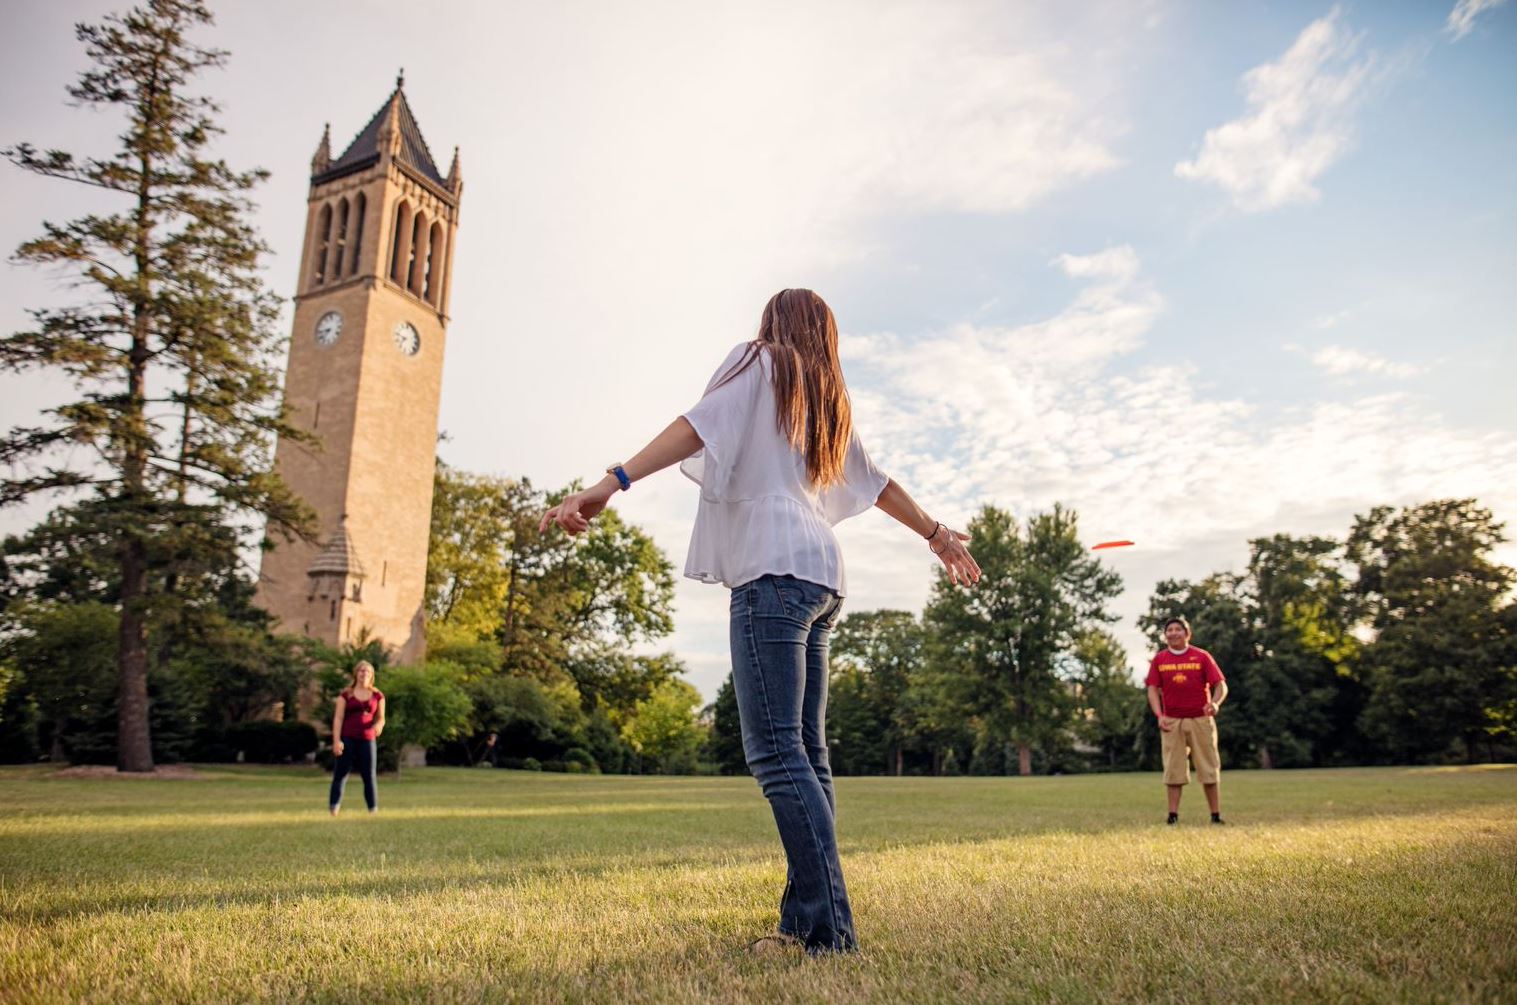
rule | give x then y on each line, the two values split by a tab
772	445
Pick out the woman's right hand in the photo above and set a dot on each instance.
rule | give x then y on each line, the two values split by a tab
948	545
579	508
337	748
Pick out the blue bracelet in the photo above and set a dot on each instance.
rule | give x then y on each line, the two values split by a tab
621	476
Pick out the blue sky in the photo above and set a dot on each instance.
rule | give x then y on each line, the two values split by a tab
1200	271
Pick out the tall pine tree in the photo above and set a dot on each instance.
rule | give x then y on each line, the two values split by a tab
171	345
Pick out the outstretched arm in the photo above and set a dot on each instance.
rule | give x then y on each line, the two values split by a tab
947	545
674	444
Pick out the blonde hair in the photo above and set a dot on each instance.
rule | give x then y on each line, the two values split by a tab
360	666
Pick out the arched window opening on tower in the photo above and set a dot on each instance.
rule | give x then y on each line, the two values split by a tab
418	252
360	208
434	258
339	252
400	242
323	238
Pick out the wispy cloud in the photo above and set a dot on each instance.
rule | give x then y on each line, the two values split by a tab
1297	125
1462	17
1051	411
1340	360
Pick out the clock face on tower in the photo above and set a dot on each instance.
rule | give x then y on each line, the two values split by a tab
328	328
407	338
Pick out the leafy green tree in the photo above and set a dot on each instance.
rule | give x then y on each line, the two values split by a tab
1440	669
664	729
1007	641
533	719
65	655
725	744
423	706
1305	698
479	551
854	723
511	604
171	341
875	655
937	717
1112	708
617	680
554	603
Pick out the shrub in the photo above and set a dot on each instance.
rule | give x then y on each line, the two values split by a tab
532	764
268	742
579	759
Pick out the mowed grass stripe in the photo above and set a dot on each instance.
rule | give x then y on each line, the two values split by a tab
1373	884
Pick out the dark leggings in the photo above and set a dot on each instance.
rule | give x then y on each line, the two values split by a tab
357	755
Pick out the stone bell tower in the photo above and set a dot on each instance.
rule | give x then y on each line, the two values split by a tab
364	376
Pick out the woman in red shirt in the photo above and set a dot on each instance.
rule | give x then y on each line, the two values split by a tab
357	721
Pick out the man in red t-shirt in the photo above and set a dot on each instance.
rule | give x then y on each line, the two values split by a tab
1185	689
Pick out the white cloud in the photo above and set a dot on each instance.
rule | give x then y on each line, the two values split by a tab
1340	360
1297	124
1462	17
970	415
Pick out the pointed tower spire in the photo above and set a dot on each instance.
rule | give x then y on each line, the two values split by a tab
455	179
391	135
323	158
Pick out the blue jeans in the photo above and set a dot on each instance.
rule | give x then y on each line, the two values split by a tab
780	631
357	755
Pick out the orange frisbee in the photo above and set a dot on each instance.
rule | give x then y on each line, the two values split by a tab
1111	544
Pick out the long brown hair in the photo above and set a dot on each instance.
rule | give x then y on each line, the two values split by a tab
810	399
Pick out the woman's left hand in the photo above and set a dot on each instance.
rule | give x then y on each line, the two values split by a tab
962	569
578	509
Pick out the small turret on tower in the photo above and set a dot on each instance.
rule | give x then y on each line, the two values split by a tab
323	158
455	180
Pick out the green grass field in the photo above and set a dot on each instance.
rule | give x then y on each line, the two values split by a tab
1354	885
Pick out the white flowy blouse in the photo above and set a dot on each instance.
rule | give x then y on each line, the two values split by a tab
759	513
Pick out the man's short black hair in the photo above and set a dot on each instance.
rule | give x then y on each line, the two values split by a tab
1177	620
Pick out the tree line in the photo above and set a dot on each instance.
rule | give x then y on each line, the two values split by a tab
530	637
1394	644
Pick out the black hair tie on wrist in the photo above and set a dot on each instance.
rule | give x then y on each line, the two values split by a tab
935	528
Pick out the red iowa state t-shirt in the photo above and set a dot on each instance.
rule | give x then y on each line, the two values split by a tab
1182	680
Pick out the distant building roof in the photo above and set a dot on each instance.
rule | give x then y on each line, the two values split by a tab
337	556
364	150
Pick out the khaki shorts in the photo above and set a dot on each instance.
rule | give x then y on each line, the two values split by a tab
1198	737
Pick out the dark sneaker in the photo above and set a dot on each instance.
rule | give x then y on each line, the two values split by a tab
1174	818
1216	818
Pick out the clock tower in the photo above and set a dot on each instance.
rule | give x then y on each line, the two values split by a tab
364	377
